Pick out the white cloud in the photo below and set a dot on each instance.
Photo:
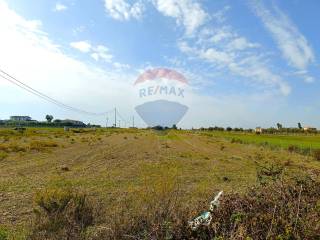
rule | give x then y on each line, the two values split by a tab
219	16
241	43
121	66
60	7
220	35
226	50
185	48
82	46
216	56
254	69
121	10
78	30
186	12
250	68
32	57
308	79
99	52
293	45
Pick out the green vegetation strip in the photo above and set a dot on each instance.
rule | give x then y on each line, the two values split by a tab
284	141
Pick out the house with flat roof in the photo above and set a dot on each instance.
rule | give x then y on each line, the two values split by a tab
258	130
308	128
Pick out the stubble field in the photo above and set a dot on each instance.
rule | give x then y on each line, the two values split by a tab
122	171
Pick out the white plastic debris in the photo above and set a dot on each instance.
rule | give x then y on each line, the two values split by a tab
206	217
216	202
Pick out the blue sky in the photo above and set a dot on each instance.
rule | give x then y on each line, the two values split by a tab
249	63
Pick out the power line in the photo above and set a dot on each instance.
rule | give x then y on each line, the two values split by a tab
37	93
122	118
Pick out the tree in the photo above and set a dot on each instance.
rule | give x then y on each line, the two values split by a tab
299	126
174	126
49	118
229	129
279	126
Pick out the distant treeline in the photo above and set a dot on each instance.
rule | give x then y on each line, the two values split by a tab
270	130
55	123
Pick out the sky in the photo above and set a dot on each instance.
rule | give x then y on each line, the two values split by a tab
248	63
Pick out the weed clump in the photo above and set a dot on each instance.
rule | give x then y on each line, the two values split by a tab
12	147
3	234
42	145
280	209
316	154
236	140
3	155
61	214
269	171
293	148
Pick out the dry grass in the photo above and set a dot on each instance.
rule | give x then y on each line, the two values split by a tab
280	209
141	179
3	155
42	145
316	154
61	214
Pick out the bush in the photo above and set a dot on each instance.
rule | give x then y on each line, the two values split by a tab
316	154
61	214
12	147
268	171
236	140
42	145
293	148
3	156
3	233
280	209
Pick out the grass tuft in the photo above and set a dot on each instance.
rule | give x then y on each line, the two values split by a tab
61	214
42	145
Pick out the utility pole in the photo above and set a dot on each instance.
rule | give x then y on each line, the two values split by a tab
119	124
133	121
115	117
107	121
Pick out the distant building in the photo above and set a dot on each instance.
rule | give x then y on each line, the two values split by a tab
258	130
20	118
309	128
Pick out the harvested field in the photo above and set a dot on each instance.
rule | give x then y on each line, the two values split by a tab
125	172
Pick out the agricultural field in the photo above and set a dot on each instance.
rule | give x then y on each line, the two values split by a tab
301	141
146	184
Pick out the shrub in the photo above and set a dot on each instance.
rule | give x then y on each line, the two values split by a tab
268	171
316	154
277	210
293	148
42	145
78	130
61	214
3	155
3	234
236	140
12	147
